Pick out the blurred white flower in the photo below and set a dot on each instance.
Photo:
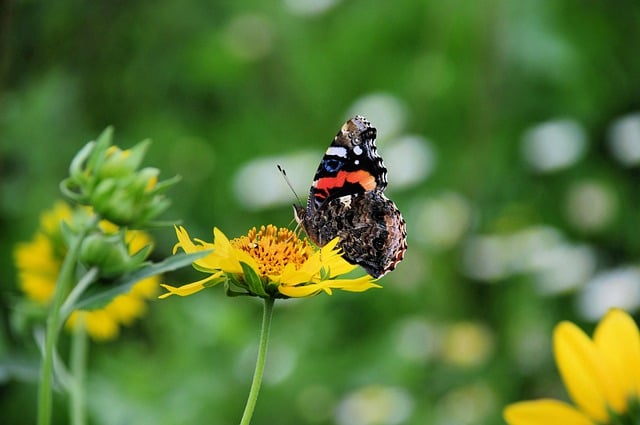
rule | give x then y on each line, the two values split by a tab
554	145
618	287
440	222
624	139
258	184
385	111
409	160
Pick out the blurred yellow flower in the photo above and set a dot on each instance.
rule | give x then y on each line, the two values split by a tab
285	265
39	260
602	376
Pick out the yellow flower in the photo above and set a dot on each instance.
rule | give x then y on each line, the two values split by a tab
285	265
602	376
39	261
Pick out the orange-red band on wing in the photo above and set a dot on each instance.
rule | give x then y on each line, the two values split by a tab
362	177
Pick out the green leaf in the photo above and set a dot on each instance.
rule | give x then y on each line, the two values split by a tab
75	168
97	300
253	280
68	235
142	254
70	189
324	274
137	153
231	293
97	156
166	184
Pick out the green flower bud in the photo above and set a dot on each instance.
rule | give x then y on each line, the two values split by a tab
120	163
110	254
107	178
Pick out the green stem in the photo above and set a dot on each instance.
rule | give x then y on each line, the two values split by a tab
65	280
79	353
69	304
262	355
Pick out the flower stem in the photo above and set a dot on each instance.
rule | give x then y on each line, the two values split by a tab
262	355
65	280
79	351
68	305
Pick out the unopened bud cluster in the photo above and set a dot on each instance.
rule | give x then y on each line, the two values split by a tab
108	179
111	254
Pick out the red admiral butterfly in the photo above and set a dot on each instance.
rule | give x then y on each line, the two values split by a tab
347	200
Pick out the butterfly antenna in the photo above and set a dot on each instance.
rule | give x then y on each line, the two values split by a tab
298	228
286	179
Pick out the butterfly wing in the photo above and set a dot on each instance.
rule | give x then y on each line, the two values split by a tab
371	229
350	165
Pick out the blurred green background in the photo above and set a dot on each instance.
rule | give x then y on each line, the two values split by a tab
511	130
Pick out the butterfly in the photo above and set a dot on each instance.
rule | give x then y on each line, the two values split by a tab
347	200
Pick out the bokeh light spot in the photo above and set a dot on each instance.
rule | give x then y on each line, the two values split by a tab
591	205
554	145
441	221
612	288
467	344
385	111
316	404
624	139
466	405
281	362
309	7
409	160
541	251
484	258
375	405
562	267
417	339
258	184
249	37
532	346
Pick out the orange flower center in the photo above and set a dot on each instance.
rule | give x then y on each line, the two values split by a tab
273	248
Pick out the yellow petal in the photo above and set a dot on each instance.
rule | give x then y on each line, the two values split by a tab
188	246
618	340
340	266
185	242
306	290
126	308
99	324
333	261
227	257
324	255
50	220
190	288
147	287
136	240
359	284
290	276
223	255
37	287
582	370
353	285
544	412
299	291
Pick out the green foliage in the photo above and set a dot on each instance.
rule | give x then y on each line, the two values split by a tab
218	84
124	284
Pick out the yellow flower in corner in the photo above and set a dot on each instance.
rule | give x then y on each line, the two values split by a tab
601	375
270	262
39	261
